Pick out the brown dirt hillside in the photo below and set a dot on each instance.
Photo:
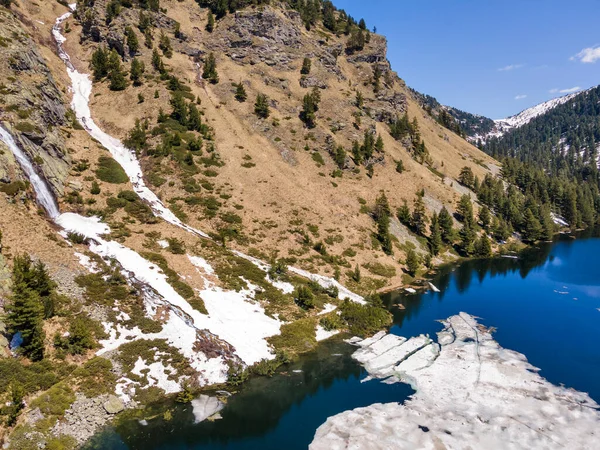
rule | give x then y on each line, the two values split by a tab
275	175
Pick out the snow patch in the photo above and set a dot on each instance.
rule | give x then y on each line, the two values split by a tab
322	334
86	262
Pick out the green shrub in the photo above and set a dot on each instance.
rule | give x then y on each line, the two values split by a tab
95	377
110	171
383	270
331	322
12	188
76	238
304	297
364	320
26	127
296	337
55	401
176	246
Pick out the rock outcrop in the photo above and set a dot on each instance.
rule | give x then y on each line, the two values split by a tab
31	101
471	393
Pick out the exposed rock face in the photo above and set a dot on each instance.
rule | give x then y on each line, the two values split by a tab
95	28
31	102
471	393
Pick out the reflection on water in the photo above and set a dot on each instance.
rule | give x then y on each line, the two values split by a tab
268	413
543	304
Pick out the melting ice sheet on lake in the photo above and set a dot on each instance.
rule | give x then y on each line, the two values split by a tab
471	393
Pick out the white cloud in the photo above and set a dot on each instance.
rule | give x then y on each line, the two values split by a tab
588	55
510	67
553	91
569	90
520	97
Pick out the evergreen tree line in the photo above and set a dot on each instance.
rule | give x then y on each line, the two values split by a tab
554	158
33	299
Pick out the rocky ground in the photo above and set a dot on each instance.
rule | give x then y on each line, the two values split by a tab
85	416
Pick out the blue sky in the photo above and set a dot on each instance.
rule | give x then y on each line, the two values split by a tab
490	57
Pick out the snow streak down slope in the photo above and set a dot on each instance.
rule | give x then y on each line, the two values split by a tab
82	89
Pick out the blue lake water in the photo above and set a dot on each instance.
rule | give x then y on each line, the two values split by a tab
544	304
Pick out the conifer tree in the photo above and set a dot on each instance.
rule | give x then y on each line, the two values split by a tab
412	262
359	100
32	300
467	239
180	110
356	153
144	21
194	119
419	216
117	79
356	274
483	247
240	93
132	40
548	225
485	217
446	225
261	106
310	105
329	21
379	144
95	189
403	214
465	210
165	45
157	61
435	239
148	39
368	145
377	78
306	66
136	71
532	228
466	177
113	9
210	22
209	71
340	156
381	214
99	63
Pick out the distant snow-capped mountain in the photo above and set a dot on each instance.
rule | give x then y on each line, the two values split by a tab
526	116
502	126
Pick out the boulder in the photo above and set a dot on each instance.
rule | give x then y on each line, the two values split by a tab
113	405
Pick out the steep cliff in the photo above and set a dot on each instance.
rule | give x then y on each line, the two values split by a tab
31	105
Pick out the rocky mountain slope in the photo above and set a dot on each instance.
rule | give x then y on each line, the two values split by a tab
151	263
277	175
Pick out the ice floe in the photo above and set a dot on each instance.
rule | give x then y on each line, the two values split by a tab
470	393
205	406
